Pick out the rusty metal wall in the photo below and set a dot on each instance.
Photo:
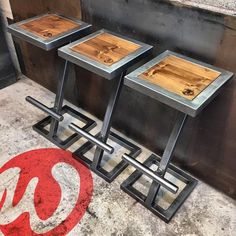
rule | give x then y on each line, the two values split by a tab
207	147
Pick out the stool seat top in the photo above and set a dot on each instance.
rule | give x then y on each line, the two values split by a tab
48	31
178	81
105	53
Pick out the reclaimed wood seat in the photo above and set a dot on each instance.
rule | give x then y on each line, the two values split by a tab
50	30
49	26
105	53
106	48
180	76
180	82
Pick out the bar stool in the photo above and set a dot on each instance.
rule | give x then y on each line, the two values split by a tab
108	55
48	32
188	86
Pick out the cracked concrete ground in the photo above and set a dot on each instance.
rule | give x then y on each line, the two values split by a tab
206	212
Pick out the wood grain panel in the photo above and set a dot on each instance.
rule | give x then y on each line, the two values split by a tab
49	26
106	48
180	76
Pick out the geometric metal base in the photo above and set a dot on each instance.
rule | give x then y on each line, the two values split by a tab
64	144
164	214
111	175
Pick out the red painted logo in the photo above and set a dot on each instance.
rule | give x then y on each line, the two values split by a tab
43	192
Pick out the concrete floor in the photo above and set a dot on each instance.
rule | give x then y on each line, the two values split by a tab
111	212
227	4
222	6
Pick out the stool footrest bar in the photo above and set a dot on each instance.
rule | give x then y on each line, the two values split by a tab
44	108
91	138
151	174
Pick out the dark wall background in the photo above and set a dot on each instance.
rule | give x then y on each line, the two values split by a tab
7	71
207	147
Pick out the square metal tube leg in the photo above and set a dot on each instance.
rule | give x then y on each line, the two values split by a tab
163	167
103	136
52	133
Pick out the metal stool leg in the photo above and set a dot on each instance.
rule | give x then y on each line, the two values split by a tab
59	98
56	115
167	155
107	120
103	136
159	180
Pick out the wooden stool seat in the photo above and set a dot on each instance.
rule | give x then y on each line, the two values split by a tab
106	48
105	53
49	31
49	26
180	82
180	76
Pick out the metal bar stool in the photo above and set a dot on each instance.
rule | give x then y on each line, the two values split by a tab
50	31
108	55
188	86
